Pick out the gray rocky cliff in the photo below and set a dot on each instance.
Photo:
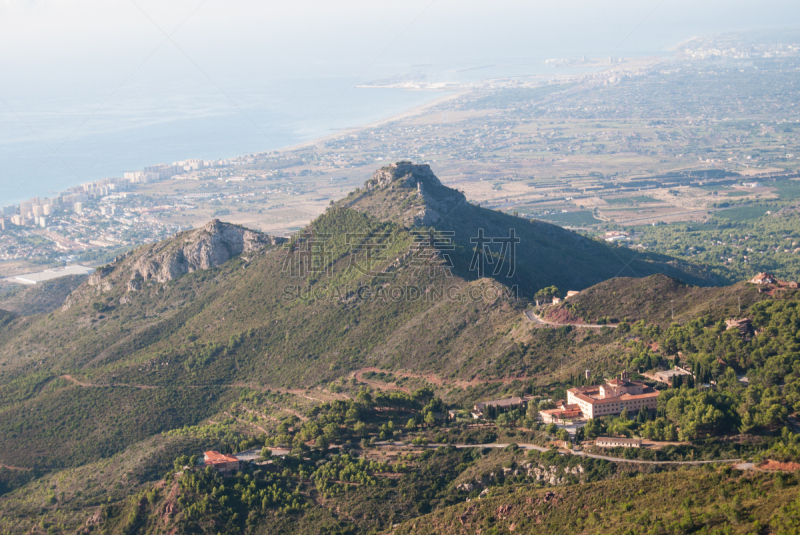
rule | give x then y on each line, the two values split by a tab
208	247
204	248
437	199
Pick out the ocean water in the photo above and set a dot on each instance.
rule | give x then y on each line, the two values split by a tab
144	128
49	143
93	89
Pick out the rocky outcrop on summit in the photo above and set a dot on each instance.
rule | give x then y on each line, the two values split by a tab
530	254
208	247
409	193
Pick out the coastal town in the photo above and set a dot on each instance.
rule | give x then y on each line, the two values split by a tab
93	222
683	168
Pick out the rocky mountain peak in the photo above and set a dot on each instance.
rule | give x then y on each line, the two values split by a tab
408	193
404	175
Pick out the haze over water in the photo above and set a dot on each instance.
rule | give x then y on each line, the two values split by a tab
117	85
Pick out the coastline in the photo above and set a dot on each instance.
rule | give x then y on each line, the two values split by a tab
411	112
448	93
452	94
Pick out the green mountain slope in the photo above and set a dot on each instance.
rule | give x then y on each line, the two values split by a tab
656	299
713	501
177	334
363	286
545	254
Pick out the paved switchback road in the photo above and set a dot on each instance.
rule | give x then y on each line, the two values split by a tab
569	452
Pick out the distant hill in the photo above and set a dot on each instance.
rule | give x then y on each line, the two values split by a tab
656	299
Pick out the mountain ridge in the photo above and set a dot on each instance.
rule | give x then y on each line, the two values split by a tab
263	317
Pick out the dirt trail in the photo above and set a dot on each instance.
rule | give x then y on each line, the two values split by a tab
71	378
430	377
325	395
290	411
560	452
109	385
245	422
300	392
17	468
769	464
359	375
294	391
260	415
332	396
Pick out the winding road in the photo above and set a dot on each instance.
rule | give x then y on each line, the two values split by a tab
538	319
568	452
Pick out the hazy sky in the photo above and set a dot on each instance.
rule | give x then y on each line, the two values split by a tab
45	41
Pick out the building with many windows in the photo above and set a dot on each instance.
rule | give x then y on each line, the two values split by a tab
613	397
616	442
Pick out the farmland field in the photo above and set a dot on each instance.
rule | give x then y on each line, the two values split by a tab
631	200
743	213
789	189
578	218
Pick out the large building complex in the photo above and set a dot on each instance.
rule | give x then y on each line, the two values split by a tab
613	397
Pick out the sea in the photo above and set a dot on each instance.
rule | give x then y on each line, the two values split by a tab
78	103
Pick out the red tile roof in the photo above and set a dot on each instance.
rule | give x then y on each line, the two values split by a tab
215	457
587	394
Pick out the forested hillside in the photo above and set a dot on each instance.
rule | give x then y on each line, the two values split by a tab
181	314
389	311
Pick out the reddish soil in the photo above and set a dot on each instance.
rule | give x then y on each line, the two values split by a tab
359	375
769	464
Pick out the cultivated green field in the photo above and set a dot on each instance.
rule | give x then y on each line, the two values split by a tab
744	213
573	219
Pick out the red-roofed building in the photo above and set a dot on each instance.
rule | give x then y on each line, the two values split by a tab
764	278
613	397
220	461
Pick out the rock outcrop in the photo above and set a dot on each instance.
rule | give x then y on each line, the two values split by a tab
432	199
208	247
204	248
540	473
